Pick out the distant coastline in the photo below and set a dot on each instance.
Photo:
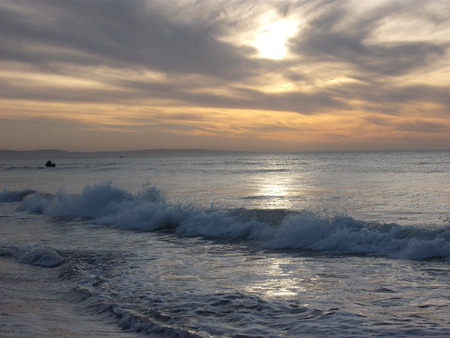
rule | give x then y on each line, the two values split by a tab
55	153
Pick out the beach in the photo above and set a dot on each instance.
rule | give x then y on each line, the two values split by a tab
33	305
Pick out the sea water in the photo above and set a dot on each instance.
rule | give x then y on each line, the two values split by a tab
240	244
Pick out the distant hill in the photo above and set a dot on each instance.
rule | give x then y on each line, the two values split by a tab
48	153
51	154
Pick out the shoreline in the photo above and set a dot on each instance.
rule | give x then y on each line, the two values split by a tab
33	305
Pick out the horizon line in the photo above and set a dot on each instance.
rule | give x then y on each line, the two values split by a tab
215	150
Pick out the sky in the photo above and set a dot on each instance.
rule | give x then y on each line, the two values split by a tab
273	75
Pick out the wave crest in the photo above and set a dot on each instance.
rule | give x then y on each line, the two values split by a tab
7	196
275	229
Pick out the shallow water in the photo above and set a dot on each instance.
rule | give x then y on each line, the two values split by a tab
229	244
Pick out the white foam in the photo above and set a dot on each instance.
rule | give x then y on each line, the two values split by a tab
149	211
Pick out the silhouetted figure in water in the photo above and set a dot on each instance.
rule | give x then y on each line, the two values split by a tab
50	164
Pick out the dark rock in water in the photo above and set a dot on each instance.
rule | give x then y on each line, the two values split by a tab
50	164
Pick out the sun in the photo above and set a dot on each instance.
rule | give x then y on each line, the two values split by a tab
271	38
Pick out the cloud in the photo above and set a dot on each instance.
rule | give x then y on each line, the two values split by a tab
423	127
413	125
348	59
336	34
185	38
120	34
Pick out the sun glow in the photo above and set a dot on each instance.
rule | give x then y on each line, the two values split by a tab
272	38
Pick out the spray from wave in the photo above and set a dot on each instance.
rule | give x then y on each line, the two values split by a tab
149	210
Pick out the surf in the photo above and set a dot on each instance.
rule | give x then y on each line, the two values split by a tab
149	210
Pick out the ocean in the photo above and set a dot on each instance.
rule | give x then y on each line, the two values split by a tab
237	244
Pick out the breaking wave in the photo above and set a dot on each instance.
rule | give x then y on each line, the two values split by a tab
149	210
7	196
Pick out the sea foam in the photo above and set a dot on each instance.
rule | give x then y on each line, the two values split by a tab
149	210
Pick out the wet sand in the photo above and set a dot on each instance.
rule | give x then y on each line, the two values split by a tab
32	305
